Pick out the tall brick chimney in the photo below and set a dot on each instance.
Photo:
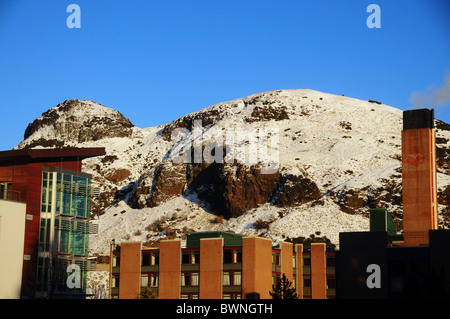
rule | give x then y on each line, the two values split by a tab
419	176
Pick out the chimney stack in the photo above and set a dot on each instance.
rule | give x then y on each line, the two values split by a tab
419	189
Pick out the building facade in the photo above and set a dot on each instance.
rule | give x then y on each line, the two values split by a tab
64	230
383	263
12	234
219	265
57	196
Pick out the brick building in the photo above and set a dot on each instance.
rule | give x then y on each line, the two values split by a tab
219	265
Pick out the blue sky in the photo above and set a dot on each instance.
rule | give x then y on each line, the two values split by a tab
155	61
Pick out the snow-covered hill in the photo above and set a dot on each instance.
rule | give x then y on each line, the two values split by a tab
338	156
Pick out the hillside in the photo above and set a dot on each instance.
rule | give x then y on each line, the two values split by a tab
338	156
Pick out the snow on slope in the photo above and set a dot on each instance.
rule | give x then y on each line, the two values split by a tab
326	136
339	142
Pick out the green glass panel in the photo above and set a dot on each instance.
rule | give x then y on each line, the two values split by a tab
74	242
64	241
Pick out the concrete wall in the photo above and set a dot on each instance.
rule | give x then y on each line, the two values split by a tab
211	268
170	269
12	236
318	271
299	270
256	266
130	271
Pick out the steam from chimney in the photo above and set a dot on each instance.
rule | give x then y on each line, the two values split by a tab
433	97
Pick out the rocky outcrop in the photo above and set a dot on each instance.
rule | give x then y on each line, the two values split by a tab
80	121
240	189
206	119
228	190
296	190
117	175
268	113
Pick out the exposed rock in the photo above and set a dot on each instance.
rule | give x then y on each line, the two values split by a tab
228	190
207	118
81	121
168	182
295	190
117	175
267	113
244	189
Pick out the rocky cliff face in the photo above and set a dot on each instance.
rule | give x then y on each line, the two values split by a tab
335	155
77	121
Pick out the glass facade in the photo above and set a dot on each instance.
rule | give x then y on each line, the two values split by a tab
64	231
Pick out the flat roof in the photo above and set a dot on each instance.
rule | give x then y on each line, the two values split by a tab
48	154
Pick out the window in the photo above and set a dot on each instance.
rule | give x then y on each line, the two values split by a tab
232	296
5	190
276	258
146	259
150	258
149	280
116	260
155	259
331	282
275	278
115	281
189	296
330	261
227	256
232	256
194	279
189	279
195	257
73	194
226	279
154	280
237	278
232	278
190	257
237	256
185	257
144	280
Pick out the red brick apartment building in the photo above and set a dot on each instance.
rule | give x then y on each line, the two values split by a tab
219	265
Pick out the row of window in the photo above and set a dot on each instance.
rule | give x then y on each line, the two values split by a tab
230	278
230	256
188	257
276	260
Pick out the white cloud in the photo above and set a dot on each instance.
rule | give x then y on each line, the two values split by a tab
432	97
